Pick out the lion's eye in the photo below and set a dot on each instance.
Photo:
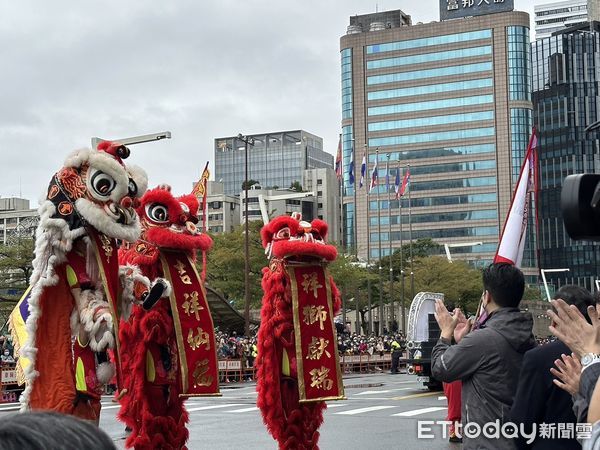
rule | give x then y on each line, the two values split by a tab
284	233
102	183
157	213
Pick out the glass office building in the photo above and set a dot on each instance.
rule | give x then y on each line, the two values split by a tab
566	87
276	160
449	99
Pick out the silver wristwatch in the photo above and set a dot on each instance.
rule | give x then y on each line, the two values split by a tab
588	359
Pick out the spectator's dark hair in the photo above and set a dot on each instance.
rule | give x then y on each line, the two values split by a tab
51	431
505	283
577	296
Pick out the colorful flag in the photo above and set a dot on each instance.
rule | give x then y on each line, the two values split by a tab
512	240
405	183
200	187
397	183
363	170
351	168
387	175
374	175
338	160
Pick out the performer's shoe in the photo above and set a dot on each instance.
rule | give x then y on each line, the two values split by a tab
453	436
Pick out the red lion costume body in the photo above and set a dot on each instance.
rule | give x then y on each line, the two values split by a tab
292	420
78	290
153	405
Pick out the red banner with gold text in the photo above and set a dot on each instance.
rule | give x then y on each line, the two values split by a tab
193	326
319	374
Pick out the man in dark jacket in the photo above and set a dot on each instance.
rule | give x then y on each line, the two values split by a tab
538	399
487	360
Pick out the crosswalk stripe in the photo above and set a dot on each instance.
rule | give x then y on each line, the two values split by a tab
335	405
352	412
252	408
417	412
203	408
111	406
442	397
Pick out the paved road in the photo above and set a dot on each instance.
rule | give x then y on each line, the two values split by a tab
381	412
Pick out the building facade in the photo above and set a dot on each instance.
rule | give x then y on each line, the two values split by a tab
320	199
556	16
17	219
566	78
276	160
452	101
223	210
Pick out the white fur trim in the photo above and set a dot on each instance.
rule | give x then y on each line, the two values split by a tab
105	372
129	275
97	217
140	177
99	327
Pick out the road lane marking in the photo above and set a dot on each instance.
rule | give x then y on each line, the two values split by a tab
442	397
406	397
203	408
252	408
110	407
373	392
418	412
352	412
335	405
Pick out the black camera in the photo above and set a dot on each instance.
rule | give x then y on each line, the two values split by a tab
580	206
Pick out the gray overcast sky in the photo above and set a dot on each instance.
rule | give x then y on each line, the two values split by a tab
201	69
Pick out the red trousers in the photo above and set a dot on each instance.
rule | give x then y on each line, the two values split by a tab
453	393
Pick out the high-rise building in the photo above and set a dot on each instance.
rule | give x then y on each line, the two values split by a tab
566	78
556	16
452	100
276	160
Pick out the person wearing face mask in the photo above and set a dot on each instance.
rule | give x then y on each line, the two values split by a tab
486	360
6	358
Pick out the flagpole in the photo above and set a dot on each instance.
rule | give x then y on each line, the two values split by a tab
370	322
341	217
354	220
391	294
412	282
379	250
402	300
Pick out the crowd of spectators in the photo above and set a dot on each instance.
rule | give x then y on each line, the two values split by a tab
6	350
360	344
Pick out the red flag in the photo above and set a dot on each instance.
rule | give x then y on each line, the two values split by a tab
405	184
338	160
512	240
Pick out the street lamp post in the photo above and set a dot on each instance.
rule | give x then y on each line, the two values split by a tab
247	141
135	139
544	271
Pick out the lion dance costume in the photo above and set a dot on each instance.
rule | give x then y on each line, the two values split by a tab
170	352
298	362
78	291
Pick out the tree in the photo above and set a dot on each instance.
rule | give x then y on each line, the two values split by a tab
15	270
296	186
460	283
351	278
226	265
250	184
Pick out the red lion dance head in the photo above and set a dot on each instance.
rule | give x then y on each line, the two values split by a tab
290	242
167	222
